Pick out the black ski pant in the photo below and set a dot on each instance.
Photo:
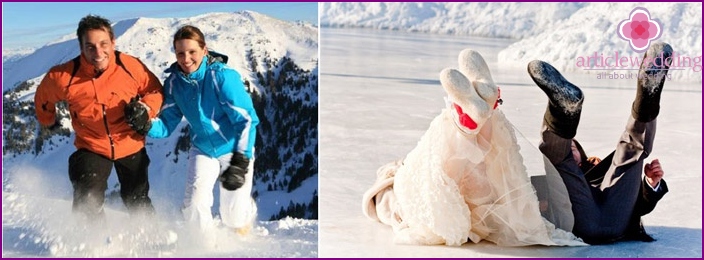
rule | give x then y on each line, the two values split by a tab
89	172
602	214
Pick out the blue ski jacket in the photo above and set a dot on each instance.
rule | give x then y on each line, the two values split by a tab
216	105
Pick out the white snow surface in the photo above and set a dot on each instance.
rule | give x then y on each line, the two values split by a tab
37	218
555	32
15	54
380	90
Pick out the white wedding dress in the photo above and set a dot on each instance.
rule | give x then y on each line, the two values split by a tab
457	185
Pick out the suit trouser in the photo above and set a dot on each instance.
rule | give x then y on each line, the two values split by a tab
237	209
602	213
89	172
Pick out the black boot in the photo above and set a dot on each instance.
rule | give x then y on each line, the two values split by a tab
565	106
651	78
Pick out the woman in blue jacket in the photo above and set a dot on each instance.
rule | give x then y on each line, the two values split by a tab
212	98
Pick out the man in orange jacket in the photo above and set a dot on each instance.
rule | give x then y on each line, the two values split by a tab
97	85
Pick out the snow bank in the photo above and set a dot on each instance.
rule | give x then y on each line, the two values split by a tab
558	33
505	20
593	30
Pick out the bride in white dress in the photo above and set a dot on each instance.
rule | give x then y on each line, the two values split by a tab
466	178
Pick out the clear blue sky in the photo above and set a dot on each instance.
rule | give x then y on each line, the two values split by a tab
35	24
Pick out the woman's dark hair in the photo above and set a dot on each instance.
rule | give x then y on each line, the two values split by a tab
191	33
93	22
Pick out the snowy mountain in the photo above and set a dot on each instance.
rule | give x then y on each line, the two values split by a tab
574	29
278	61
9	55
150	40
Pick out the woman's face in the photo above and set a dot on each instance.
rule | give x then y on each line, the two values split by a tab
189	55
575	153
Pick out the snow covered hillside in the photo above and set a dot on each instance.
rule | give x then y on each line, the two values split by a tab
278	60
150	39
9	55
573	29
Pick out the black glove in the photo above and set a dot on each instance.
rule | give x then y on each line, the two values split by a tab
233	177
56	126
137	116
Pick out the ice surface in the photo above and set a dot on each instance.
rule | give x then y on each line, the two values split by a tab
379	91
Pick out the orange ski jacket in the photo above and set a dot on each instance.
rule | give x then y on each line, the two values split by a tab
97	103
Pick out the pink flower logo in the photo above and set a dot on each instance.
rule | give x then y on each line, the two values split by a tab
639	30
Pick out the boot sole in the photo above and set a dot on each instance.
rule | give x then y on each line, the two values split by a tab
560	92
473	65
651	78
463	92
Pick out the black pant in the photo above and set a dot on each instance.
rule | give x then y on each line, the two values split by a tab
602	214
89	174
